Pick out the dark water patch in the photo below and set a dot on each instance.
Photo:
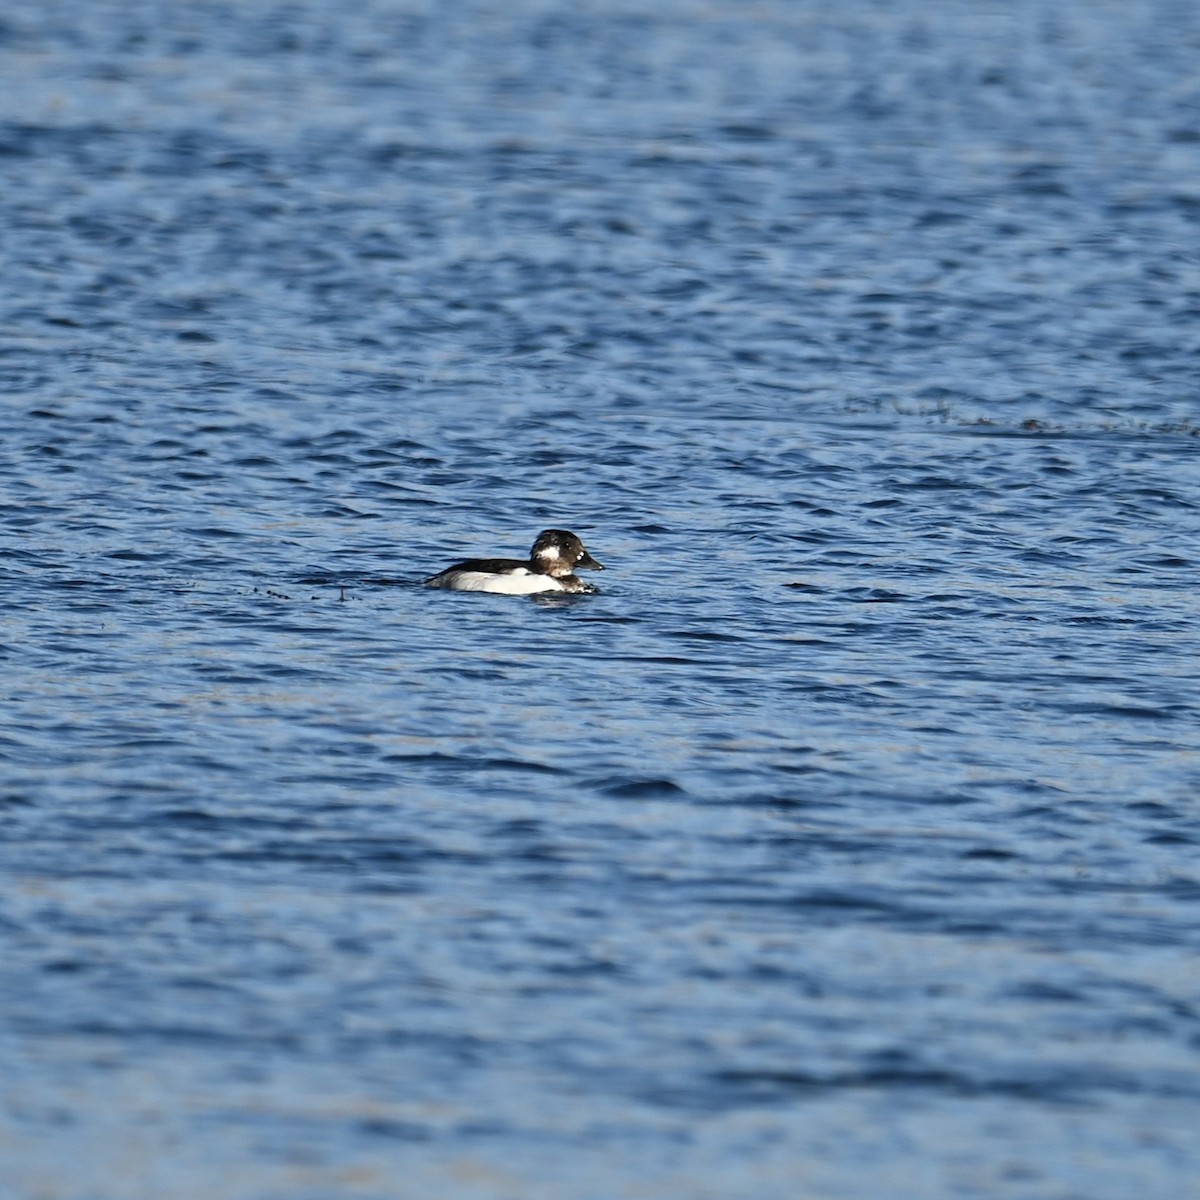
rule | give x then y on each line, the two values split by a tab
704	635
986	853
1136	712
640	789
873	596
774	1085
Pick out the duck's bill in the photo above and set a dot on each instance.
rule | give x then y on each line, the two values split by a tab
588	561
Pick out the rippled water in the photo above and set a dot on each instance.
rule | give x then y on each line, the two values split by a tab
845	845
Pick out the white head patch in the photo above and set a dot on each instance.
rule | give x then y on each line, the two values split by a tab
550	552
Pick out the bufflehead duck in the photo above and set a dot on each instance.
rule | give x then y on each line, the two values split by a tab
549	568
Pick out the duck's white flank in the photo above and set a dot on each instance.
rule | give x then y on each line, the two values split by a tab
521	582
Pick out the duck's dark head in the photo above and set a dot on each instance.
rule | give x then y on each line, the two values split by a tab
558	552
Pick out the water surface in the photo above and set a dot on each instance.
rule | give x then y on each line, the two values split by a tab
844	845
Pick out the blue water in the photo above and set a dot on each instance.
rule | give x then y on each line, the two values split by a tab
845	845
